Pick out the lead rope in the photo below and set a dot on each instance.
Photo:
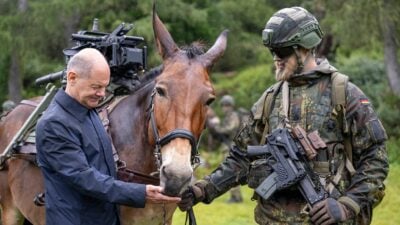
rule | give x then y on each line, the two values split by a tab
164	215
190	217
190	214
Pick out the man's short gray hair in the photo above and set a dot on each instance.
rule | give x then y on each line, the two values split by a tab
81	65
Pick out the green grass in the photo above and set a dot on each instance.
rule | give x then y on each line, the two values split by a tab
387	212
221	213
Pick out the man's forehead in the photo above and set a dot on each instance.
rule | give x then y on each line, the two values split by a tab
97	81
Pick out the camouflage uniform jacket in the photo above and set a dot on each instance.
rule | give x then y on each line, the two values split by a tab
311	107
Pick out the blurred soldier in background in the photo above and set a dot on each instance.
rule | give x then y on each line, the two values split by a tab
224	131
7	106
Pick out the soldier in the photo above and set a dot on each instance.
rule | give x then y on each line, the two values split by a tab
224	132
354	164
7	105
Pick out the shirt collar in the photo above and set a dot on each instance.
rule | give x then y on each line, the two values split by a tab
71	105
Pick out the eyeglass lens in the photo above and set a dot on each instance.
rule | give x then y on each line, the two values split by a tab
282	52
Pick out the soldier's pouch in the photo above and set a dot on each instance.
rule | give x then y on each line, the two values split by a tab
260	169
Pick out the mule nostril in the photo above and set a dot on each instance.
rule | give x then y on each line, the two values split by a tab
164	172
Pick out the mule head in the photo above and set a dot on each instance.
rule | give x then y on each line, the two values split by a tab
182	94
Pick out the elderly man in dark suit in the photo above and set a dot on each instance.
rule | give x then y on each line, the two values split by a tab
75	154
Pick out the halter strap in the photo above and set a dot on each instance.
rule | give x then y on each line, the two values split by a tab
177	133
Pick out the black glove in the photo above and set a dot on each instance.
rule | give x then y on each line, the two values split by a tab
191	196
330	211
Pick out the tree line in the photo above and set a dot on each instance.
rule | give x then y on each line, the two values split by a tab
361	38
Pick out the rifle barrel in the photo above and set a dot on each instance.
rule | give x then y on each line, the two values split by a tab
87	38
49	78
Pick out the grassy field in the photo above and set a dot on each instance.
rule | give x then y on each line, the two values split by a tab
221	213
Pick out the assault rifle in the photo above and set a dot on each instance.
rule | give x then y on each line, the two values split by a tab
291	167
126	55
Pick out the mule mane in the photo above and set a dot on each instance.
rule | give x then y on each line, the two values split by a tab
194	49
151	74
148	77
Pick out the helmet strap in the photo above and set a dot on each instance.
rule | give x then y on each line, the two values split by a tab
300	63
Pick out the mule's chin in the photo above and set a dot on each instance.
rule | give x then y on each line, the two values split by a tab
174	187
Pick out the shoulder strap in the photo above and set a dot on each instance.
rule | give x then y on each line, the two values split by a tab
339	85
267	108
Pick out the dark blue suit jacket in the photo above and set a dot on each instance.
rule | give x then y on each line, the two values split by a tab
77	163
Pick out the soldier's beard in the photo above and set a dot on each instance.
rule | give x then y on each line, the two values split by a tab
283	74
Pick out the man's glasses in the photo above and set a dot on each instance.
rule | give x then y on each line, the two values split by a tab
282	52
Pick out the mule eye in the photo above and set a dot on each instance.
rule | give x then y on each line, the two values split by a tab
209	101
160	91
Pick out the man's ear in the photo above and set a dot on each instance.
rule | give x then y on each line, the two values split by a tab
71	77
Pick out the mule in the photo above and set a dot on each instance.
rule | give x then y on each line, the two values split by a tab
154	131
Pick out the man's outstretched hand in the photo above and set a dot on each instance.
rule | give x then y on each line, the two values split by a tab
154	195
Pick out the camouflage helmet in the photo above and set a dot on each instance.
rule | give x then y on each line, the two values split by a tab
292	26
8	105
227	100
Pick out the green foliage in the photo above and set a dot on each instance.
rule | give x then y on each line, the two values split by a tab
393	149
40	33
3	79
369	75
246	86
362	22
389	112
245	45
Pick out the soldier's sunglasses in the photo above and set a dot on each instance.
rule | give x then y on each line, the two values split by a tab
282	52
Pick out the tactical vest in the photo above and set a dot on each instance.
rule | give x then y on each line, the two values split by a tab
323	110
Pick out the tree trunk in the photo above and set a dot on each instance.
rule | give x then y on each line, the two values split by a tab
14	78
390	51
22	5
391	63
14	75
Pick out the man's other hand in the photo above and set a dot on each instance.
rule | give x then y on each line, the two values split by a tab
190	197
330	211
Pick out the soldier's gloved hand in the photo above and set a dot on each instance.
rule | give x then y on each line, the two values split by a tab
191	196
330	211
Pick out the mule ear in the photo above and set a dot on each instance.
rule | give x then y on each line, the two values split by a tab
165	44
216	51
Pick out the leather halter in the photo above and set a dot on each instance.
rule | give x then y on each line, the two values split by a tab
177	133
